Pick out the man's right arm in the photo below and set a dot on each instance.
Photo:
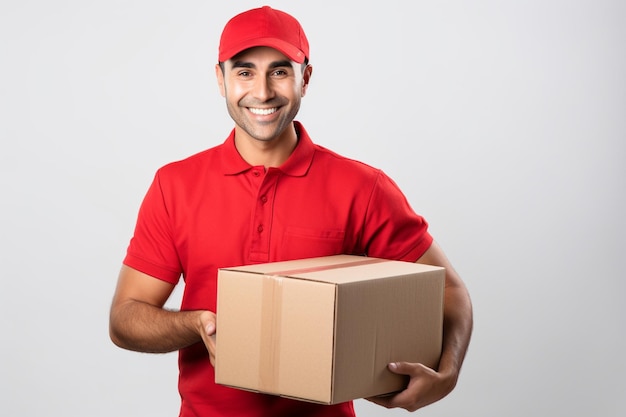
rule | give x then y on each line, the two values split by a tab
139	322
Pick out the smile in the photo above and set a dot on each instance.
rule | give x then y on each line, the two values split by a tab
262	112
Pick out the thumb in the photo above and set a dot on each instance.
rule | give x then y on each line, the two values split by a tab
210	328
208	319
401	368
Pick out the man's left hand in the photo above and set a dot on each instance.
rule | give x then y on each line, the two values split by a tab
425	387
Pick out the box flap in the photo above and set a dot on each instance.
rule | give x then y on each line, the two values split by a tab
337	269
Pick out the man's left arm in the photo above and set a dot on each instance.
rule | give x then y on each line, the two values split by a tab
427	385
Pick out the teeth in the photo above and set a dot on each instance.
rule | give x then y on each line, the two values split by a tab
263	112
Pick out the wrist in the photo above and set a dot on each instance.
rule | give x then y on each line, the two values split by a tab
449	376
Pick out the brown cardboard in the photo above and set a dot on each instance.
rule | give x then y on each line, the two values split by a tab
324	329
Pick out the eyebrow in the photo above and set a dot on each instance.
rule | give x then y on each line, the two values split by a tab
275	64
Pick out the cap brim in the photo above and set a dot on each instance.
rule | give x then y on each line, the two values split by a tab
285	48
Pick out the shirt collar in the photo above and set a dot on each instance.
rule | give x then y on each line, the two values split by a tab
296	165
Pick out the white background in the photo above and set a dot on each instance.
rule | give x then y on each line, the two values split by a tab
503	122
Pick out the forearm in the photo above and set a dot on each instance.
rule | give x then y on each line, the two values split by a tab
458	324
142	327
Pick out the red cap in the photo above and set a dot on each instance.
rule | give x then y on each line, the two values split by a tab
264	26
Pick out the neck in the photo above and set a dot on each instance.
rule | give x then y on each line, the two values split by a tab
268	153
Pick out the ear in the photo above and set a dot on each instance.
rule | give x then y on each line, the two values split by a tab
220	79
306	78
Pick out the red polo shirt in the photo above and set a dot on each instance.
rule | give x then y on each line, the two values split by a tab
214	210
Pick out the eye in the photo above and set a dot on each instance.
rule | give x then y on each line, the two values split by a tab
280	73
244	74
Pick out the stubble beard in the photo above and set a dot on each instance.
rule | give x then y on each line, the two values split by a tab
254	129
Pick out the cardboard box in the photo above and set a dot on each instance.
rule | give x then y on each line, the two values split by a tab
324	329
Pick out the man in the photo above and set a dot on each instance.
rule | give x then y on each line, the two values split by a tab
268	193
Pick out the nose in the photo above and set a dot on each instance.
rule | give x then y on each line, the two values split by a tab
262	89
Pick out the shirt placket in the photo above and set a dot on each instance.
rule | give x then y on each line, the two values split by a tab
262	218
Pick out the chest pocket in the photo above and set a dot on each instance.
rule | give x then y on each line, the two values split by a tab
299	242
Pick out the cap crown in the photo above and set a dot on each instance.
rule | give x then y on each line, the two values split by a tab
264	26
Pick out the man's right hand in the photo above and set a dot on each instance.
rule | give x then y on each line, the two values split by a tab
208	329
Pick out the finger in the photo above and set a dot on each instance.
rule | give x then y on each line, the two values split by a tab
400	399
382	401
211	347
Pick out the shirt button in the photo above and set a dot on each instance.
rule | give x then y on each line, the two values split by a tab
260	228
256	173
263	199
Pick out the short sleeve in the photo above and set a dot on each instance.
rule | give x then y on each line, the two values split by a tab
392	229
152	249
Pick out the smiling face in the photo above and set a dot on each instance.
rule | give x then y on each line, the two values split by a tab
263	90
